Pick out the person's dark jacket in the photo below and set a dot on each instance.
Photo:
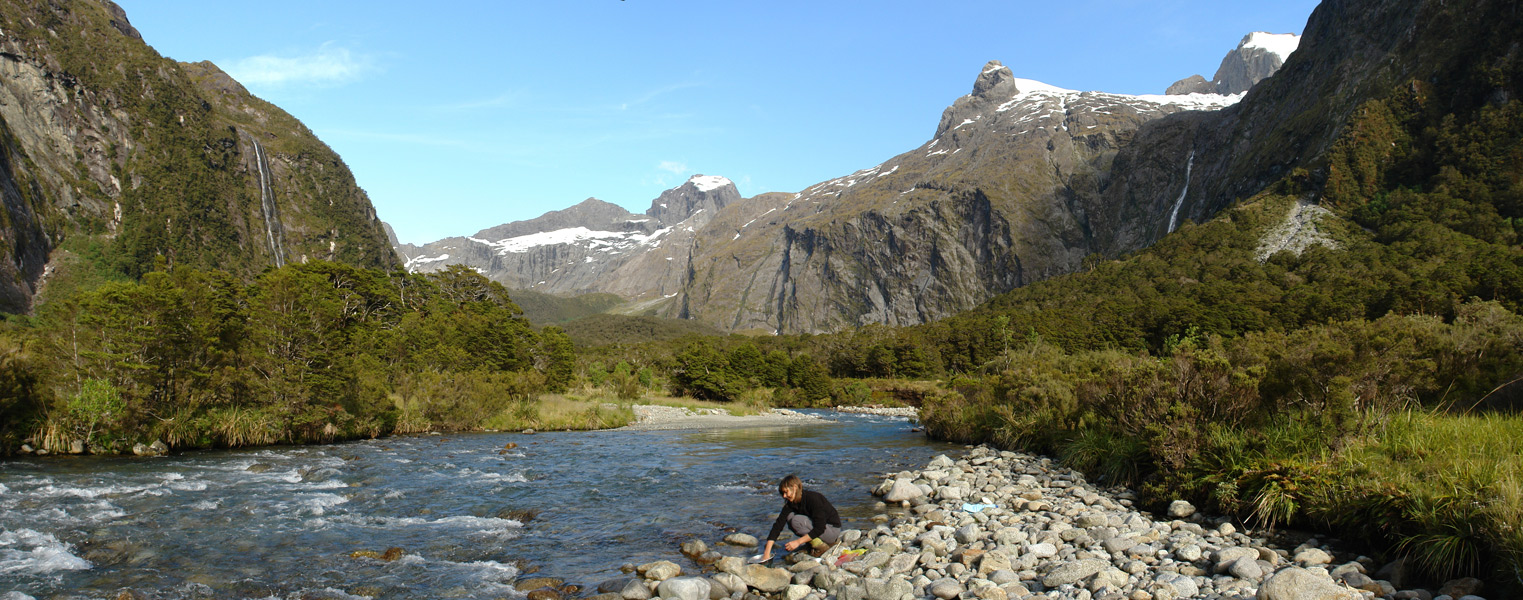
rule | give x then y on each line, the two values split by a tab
813	505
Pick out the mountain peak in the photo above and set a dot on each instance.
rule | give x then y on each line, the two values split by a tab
1278	44
708	183
704	194
995	79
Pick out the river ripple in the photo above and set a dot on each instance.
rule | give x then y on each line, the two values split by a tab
282	522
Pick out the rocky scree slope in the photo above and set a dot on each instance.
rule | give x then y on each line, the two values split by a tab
594	246
104	141
1009	526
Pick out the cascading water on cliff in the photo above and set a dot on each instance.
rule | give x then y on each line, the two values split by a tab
273	234
1174	215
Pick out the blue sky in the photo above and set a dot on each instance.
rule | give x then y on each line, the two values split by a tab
459	116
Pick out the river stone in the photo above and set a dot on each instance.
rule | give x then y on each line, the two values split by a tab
868	561
946	589
692	548
1295	583
635	590
1180	585
967	534
614	585
796	592
1360	581
1112	577
1004	577
902	563
993	561
893	588
949	492
903	490
1180	509
730	564
1042	550
1247	568
764	578
1188	553
543	594
534	583
1313	557
158	448
941	462
660	570
1074	571
990	592
684	588
1088	520
1227	556
744	540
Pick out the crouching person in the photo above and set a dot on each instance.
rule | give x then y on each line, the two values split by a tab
809	515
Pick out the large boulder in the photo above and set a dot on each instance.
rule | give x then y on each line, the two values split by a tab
1295	583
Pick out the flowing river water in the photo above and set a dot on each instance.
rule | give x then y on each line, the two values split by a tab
283	522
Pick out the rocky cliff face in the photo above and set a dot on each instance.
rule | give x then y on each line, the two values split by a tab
106	140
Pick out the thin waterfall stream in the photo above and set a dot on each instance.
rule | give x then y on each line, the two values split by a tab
273	234
1174	215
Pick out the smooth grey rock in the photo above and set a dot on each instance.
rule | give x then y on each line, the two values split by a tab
903	490
1295	583
868	561
730	564
684	588
1072	572
967	534
796	592
614	585
766	579
1043	550
693	548
1188	553
1180	509
893	588
660	570
946	589
743	540
635	590
1313	557
1004	577
1247	568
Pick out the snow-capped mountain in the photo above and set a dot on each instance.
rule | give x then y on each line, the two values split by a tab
1259	55
1006	191
581	249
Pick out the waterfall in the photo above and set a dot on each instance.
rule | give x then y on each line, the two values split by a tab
272	231
1174	215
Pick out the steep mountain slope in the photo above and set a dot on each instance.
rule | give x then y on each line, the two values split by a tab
990	203
106	141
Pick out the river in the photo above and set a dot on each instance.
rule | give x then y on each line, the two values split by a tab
469	515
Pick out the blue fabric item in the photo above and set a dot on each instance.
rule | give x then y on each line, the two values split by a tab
973	508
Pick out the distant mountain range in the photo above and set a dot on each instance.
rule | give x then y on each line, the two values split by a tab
987	204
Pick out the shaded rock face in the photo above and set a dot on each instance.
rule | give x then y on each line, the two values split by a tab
105	139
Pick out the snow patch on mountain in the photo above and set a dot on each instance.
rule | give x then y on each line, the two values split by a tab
605	241
1279	44
706	183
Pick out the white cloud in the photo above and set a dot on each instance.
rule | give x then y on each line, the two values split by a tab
330	64
675	167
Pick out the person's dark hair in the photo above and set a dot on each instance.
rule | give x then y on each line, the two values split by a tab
790	482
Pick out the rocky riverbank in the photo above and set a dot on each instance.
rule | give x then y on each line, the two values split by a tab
651	417
1008	526
882	411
